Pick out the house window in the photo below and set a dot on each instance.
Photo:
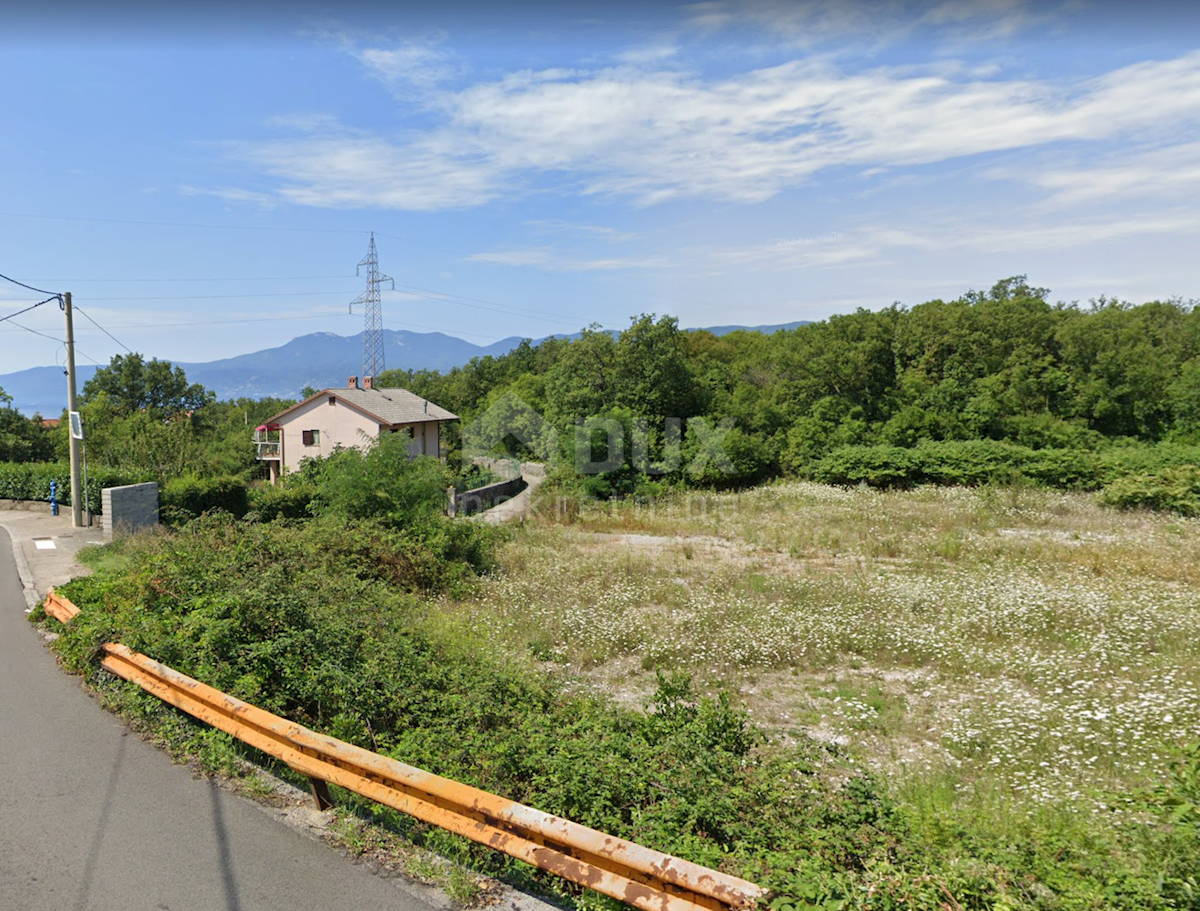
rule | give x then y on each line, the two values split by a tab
311	437
333	400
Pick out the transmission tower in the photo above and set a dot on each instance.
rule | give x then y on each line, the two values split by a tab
372	364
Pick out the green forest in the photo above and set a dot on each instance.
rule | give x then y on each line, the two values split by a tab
992	386
996	386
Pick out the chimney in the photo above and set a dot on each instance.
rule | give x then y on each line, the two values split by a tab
352	383
368	382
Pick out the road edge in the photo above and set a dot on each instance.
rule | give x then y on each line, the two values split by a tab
25	572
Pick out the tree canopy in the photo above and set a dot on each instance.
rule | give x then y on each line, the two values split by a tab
134	384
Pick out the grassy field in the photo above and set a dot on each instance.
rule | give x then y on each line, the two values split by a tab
971	699
1022	647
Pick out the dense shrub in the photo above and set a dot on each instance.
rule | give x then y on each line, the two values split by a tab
31	481
974	462
188	497
1170	490
875	466
281	501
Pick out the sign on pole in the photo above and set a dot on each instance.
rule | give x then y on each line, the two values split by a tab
76	425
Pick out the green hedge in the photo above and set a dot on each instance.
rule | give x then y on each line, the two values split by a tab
31	481
280	502
188	497
974	462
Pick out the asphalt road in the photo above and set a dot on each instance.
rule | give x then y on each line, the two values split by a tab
94	819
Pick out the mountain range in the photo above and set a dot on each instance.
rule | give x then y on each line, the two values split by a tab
320	359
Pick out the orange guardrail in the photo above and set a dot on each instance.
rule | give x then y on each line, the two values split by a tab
639	876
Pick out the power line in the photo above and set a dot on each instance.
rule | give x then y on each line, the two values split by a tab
28	287
505	308
59	340
27	309
220	322
474	302
178	224
250	278
80	311
42	334
205	297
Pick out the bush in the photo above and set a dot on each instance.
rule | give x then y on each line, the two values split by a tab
975	462
31	481
875	466
1137	459
1174	490
381	483
189	497
281	501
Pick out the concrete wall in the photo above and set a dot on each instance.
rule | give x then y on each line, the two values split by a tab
127	509
472	501
511	468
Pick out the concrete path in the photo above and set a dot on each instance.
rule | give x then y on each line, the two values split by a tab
518	506
45	548
94	818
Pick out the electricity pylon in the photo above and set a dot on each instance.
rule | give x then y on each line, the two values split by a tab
372	364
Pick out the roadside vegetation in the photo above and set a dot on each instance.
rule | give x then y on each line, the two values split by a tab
941	697
926	639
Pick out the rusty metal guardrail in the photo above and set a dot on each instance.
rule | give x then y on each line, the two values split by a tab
639	876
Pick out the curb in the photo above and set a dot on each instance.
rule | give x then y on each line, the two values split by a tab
29	589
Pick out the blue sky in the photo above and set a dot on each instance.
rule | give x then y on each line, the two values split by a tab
204	183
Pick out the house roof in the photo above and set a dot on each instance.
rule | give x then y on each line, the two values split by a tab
387	406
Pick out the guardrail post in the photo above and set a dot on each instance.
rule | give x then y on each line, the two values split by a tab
320	793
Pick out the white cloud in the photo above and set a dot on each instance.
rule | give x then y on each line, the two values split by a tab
545	258
412	66
232	194
535	257
655	135
832	249
598	232
1171	172
426	173
810	23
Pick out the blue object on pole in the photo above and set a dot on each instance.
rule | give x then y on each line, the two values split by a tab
54	498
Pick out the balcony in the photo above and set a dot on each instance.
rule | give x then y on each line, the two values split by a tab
268	442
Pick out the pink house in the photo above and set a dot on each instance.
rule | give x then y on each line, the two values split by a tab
354	416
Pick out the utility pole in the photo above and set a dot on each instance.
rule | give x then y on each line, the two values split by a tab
73	407
373	363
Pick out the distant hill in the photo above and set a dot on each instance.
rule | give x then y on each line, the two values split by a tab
765	330
320	359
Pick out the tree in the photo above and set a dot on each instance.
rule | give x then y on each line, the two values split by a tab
22	439
584	380
133	384
654	378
